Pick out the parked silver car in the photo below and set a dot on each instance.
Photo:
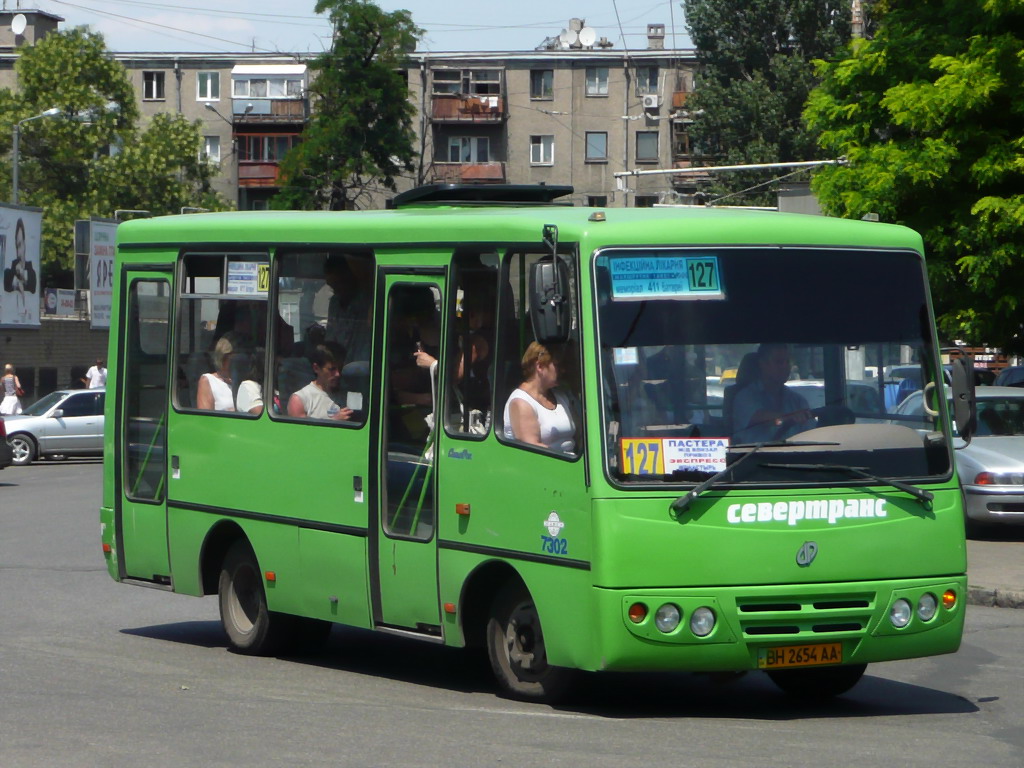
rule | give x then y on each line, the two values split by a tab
68	422
992	467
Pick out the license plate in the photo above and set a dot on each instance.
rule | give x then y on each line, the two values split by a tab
800	655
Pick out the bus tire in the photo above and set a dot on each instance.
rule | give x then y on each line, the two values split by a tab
818	683
251	627
515	646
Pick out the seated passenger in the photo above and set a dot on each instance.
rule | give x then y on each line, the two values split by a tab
316	400
535	412
250	392
214	391
766	409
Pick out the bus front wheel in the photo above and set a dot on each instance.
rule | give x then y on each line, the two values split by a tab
250	626
515	646
818	683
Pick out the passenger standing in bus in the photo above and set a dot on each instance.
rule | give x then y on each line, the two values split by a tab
536	413
250	392
316	400
348	312
767	409
214	392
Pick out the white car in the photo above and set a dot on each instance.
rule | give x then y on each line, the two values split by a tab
68	422
991	468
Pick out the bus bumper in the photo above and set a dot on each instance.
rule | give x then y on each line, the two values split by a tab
755	627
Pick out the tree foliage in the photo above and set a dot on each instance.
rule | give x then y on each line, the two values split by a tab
65	164
930	114
361	134
755	71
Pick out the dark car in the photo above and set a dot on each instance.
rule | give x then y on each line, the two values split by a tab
6	455
1010	376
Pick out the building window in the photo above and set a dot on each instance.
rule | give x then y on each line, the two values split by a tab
208	86
542	150
596	146
264	87
211	149
469	149
597	201
597	81
467	82
645	201
542	83
153	86
647	146
264	148
646	80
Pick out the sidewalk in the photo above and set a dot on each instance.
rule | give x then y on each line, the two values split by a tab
995	571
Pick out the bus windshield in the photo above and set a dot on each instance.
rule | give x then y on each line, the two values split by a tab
804	352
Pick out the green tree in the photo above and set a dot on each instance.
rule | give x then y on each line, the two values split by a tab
930	114
360	137
755	70
66	165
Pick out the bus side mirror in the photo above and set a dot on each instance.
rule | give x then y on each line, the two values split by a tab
549	293
549	302
965	411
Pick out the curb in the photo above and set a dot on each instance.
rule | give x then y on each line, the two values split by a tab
997	598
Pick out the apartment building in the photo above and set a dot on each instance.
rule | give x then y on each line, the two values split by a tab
573	112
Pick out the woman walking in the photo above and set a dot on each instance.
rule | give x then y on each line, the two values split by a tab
11	390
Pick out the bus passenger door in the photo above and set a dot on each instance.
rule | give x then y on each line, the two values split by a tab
404	569
139	407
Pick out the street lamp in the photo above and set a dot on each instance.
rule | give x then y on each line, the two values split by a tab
52	112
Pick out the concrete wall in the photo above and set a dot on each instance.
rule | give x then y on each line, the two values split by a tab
46	357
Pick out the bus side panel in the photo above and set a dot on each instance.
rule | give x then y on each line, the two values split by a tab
334	584
525	503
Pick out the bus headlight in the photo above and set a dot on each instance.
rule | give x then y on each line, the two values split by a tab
702	621
667	617
900	613
926	606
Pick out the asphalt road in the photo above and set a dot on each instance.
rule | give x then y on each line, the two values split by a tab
93	673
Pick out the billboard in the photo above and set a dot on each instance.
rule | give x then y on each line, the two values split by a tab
20	238
102	237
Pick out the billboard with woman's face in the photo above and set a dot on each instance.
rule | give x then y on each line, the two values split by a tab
20	233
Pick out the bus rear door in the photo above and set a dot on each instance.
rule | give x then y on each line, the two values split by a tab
404	557
140	415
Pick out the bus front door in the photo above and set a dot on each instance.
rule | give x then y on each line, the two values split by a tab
139	407
405	572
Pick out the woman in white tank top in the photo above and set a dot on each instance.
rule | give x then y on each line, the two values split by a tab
535	413
214	392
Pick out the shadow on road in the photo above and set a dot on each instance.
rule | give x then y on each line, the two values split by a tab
612	695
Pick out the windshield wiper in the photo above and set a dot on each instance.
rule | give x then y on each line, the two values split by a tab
919	493
680	504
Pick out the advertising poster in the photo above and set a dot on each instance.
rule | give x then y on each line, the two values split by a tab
20	236
102	240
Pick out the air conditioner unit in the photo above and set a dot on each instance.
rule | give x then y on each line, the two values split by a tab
651	101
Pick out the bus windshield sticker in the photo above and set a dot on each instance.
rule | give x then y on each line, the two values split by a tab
243	278
626	356
666	277
663	456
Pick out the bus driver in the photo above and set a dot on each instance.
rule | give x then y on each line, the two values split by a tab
767	409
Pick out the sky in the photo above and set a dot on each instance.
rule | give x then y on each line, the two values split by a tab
291	25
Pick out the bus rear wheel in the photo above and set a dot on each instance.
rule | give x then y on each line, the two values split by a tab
250	626
515	646
818	683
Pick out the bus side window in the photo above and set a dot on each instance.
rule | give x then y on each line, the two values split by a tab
324	301
220	326
524	366
472	344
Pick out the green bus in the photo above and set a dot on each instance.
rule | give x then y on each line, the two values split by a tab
582	438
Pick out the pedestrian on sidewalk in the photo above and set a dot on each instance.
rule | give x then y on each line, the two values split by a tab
97	375
12	392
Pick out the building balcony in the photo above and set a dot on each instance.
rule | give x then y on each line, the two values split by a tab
679	99
480	173
688	180
255	174
467	109
250	111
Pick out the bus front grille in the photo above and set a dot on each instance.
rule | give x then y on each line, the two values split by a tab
811	616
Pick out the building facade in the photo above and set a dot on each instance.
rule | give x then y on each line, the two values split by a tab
573	113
